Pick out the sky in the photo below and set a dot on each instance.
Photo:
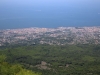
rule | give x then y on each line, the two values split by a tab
49	13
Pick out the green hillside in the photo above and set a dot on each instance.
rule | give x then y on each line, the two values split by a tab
51	60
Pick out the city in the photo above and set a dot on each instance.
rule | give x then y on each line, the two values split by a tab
51	36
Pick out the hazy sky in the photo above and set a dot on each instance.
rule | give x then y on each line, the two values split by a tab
49	13
49	2
87	3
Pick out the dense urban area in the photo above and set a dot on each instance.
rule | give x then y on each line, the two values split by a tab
57	36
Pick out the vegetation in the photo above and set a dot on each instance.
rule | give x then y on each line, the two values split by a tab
13	69
51	60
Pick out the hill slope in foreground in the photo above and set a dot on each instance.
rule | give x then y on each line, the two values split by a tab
51	60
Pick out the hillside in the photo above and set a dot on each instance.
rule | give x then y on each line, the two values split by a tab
56	60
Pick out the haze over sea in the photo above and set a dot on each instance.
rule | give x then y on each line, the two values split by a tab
49	13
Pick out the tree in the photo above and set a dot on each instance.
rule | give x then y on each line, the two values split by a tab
13	69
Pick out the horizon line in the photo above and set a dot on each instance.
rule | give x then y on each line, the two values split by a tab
50	27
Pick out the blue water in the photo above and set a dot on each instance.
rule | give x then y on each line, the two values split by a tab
49	16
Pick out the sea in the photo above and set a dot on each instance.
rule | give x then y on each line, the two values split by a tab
48	16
